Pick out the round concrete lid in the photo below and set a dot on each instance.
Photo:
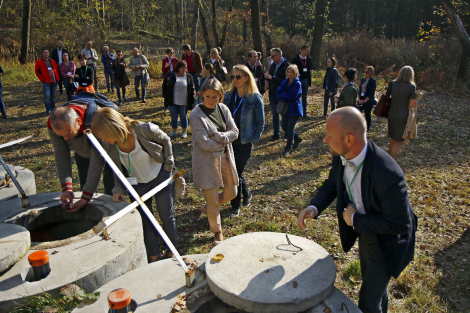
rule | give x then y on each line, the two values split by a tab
261	272
14	243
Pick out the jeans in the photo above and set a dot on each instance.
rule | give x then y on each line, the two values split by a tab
61	89
196	79
181	111
373	295
108	73
140	80
50	91
367	106
304	95
95	76
108	178
118	91
328	98
242	154
2	104
273	102
68	90
288	125
166	210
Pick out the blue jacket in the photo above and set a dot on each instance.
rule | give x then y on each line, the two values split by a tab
252	117
105	58
370	89
292	95
203	81
330	79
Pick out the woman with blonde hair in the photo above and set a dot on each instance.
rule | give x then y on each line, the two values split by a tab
290	91
144	153
213	161
247	109
403	93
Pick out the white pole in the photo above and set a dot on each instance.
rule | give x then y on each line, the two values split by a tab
137	197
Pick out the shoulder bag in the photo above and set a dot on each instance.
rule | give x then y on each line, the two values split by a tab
384	104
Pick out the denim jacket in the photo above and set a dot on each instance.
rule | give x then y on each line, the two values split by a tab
252	117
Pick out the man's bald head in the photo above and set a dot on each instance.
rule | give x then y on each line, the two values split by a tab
349	121
63	116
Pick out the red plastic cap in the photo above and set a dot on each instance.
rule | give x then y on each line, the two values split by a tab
119	298
38	258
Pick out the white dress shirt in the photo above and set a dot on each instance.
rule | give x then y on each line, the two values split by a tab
143	167
355	188
59	54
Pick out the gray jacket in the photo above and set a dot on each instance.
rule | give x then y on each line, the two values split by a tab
207	144
155	141
143	62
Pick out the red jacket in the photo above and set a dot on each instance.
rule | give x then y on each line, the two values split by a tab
168	69
42	72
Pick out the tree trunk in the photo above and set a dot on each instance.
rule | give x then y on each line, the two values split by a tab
224	29
205	32
182	18
214	22
25	31
255	26
457	25
266	31
318	33
104	21
195	25
245	31
463	66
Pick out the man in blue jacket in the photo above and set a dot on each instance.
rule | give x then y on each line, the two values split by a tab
107	59
372	205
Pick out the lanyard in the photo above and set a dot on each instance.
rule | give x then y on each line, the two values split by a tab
303	63
237	106
128	158
352	181
86	69
253	69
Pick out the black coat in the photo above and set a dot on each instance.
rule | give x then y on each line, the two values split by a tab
330	79
55	55
388	211
370	89
168	88
261	82
277	79
304	75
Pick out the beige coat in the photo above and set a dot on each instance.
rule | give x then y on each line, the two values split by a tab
207	143
411	129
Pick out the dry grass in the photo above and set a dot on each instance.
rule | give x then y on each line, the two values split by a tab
436	166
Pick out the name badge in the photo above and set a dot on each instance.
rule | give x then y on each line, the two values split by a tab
69	73
84	84
132	181
305	69
49	68
256	79
362	94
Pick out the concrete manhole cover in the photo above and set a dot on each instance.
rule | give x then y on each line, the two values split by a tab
261	272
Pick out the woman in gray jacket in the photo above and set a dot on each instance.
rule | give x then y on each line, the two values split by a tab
213	160
145	152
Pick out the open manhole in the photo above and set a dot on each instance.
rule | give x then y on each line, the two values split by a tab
55	223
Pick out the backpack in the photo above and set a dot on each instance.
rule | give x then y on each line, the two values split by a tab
92	101
339	80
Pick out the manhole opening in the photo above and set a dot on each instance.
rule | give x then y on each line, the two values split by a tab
215	305
55	223
130	309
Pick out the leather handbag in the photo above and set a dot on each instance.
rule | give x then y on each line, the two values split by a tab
282	107
383	105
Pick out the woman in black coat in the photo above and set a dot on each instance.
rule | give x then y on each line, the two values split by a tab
367	94
330	84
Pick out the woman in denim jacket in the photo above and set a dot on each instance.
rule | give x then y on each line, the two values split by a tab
247	108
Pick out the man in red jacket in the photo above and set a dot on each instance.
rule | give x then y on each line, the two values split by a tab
48	73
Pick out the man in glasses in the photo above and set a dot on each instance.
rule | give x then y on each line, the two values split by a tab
277	73
194	61
257	70
169	62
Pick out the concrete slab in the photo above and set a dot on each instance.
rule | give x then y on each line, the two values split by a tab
14	243
88	262
336	302
25	178
261	272
154	287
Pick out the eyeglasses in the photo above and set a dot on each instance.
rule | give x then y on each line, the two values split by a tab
232	77
171	52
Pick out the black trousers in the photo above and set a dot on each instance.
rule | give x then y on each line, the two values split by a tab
108	178
373	296
367	111
242	154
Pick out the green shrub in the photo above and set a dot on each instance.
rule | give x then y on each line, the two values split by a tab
17	73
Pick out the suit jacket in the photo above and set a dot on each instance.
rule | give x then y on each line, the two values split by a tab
300	65
55	55
277	79
388	211
261	82
370	89
330	79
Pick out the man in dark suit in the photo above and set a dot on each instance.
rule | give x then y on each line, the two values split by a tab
304	64
372	204
257	70
57	57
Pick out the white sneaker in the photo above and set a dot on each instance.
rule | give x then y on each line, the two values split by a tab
184	135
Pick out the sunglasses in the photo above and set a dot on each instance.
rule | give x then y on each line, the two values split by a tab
171	52
232	77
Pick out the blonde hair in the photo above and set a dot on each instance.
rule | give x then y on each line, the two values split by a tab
294	68
251	87
406	75
370	69
214	50
111	124
213	84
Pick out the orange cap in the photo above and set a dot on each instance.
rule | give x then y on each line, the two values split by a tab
119	298
38	258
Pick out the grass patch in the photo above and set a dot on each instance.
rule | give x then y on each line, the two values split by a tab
17	74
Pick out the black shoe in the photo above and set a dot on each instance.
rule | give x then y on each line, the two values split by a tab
274	138
48	113
246	201
124	98
286	152
4	116
297	140
285	135
144	101
119	103
235	212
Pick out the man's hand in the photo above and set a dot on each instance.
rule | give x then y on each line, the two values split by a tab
347	215
305	213
66	198
266	75
118	197
331	93
77	206
167	65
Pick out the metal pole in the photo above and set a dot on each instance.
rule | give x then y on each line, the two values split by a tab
14	142
24	197
134	194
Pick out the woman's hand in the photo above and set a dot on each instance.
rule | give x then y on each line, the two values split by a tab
361	101
117	197
76	75
167	65
331	93
413	103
